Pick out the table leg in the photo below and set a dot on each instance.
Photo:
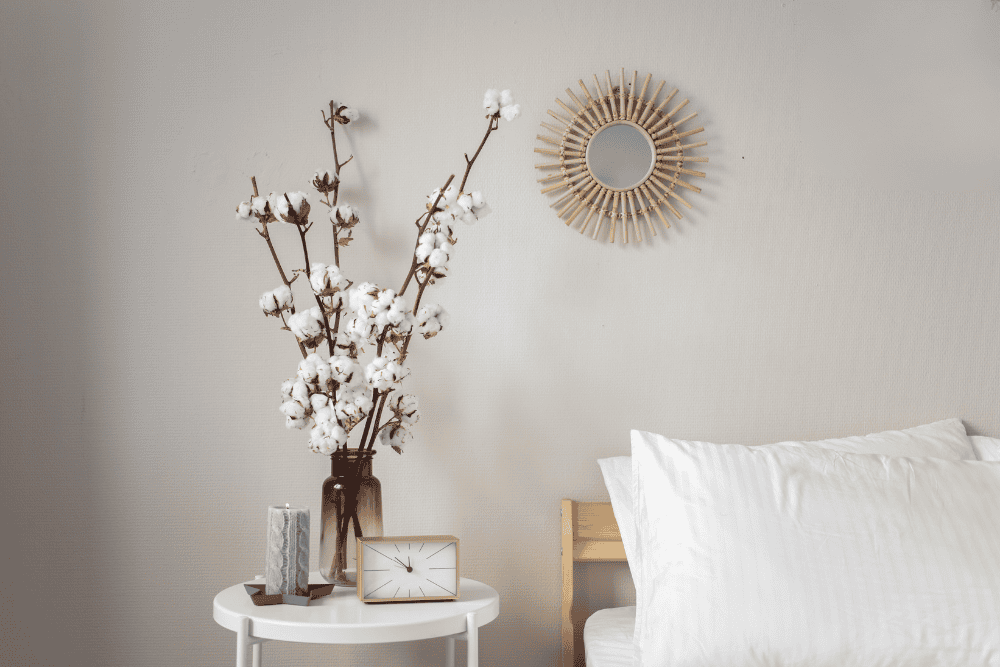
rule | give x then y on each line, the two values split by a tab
472	638
257	658
449	652
243	643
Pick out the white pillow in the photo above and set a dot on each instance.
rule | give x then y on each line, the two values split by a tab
793	556
987	449
944	439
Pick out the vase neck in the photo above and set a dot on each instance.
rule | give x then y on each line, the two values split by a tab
345	461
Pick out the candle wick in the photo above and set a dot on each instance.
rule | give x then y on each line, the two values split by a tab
286	506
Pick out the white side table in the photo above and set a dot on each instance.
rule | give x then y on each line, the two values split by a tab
340	618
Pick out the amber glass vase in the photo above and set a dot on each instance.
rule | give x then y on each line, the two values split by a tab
338	550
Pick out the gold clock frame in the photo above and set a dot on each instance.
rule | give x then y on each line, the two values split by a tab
583	191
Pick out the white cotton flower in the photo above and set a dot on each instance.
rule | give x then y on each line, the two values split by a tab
286	390
318	402
506	98
300	391
382	373
258	204
293	410
387	309
394	437
353	403
438	258
406	408
326	437
465	202
307	326
431	319
491	101
362	297
510	112
346	211
277	300
350	113
345	370
307	369
327	280
243	211
289	206
360	330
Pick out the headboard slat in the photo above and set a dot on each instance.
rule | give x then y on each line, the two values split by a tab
589	533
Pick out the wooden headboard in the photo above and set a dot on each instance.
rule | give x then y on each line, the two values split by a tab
589	534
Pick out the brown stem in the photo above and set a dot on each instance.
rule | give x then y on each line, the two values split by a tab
494	124
281	272
326	322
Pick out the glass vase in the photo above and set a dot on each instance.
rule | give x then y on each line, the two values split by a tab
338	549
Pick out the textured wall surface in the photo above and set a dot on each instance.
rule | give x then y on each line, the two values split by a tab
838	276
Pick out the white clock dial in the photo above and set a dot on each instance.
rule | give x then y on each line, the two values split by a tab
400	570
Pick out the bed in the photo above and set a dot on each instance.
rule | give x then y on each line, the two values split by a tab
872	550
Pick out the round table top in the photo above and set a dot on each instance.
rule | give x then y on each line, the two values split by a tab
341	618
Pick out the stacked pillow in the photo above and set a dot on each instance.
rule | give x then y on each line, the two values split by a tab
836	552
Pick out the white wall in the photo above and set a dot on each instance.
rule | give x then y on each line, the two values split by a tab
837	276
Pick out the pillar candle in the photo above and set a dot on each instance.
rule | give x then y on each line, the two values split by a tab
286	570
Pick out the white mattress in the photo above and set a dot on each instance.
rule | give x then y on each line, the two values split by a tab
607	637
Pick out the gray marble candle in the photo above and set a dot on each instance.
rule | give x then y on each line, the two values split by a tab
286	570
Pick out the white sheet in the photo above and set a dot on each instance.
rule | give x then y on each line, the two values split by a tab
607	637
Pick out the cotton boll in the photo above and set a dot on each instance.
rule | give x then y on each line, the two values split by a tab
477	199
292	422
293	409
405	407
363	296
394	437
491	101
317	277
268	303
469	218
295	199
243	211
451	195
258	205
431	319
347	211
317	402
382	373
510	112
286	390
506	98
344	369
307	369
350	113
283	297
465	202
300	391
307	326
438	258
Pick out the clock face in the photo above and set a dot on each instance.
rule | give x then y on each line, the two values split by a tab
408	568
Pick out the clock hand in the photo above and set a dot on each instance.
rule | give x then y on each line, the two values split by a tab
408	568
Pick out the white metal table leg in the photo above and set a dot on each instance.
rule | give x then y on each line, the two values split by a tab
257	654
449	651
243	643
472	639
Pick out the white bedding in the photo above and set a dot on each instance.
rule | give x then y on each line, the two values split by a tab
607	637
794	556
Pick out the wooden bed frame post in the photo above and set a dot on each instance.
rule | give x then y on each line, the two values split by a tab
589	533
568	524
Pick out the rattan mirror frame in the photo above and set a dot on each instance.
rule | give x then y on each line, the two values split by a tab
576	187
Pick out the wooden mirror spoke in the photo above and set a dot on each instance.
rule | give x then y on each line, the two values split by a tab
598	207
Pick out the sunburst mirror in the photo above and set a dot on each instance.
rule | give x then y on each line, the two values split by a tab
619	156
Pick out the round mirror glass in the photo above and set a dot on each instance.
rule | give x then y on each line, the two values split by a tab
620	156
